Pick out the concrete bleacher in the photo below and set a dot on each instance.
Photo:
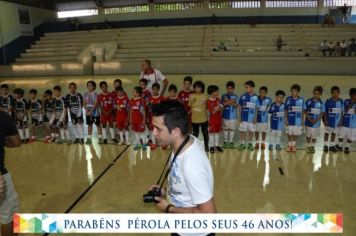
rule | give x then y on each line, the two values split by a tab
184	43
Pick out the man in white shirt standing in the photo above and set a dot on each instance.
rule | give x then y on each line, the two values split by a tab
153	76
190	180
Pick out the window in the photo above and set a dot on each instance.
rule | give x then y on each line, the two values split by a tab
178	6
78	13
338	3
128	9
234	4
291	3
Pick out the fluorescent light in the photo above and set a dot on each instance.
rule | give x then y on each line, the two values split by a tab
78	13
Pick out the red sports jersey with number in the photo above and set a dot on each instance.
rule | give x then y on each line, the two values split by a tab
122	107
106	102
215	119
137	108
184	97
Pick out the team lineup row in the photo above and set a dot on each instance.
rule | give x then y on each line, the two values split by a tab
210	113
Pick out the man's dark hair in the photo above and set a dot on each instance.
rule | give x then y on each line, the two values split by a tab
335	88
172	87
102	83
188	79
57	88
296	87
264	88
138	90
318	89
280	92
19	91
48	92
72	83
174	115
352	92
199	84
118	81
92	82
145	81
119	88
250	83
156	85
32	91
230	84
212	89
5	86
148	62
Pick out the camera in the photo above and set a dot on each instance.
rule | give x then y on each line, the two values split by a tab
151	194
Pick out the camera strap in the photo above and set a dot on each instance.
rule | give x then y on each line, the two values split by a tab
186	140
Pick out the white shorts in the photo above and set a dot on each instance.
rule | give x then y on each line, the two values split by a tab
244	126
263	127
313	133
275	132
330	130
229	124
348	133
294	130
9	204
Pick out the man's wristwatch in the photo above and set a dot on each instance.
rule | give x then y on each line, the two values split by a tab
167	208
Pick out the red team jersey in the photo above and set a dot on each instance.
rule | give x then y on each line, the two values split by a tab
153	101
114	95
137	108
184	97
215	120
106	102
122	108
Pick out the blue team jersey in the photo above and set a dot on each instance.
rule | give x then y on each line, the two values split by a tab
277	112
349	119
248	107
262	111
333	112
314	110
295	108
230	112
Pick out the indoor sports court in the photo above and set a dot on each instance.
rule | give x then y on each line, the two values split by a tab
275	43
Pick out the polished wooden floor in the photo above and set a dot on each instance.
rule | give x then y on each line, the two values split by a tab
111	179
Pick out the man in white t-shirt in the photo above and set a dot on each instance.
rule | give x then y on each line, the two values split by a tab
190	181
153	76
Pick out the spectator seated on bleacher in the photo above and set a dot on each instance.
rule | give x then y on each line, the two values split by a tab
280	43
343	46
328	20
337	48
352	47
221	46
325	47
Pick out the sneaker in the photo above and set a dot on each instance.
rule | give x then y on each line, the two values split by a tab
69	142
270	147
338	148
144	147
59	141
219	149
312	149
347	150
206	149
137	147
51	140
212	150
263	146
225	145
250	147
153	146
76	141
257	146
100	141
81	141
294	148
149	143
242	147
289	148
105	141
325	149
333	149
127	142
114	140
23	141
231	145
278	147
88	141
120	142
30	140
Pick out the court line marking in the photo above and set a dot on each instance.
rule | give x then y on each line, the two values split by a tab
95	181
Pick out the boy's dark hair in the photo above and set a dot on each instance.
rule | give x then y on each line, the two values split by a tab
230	84
138	90
103	83
264	88
156	85
174	115
57	88
119	88
19	91
32	91
335	88
119	81
188	79
172	87
92	82
148	62
250	83
296	87
280	92
72	83
145	81
212	89
48	92
199	84
352	92
318	89
5	86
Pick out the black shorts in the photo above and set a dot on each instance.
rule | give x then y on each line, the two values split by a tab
93	120
76	119
20	124
35	122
